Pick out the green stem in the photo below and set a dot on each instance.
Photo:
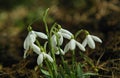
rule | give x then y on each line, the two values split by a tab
37	42
49	69
63	61
73	59
49	44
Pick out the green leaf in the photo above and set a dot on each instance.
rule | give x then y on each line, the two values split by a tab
79	71
66	68
45	72
90	74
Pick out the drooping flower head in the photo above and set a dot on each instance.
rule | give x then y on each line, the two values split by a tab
30	41
60	34
43	56
57	39
90	40
71	45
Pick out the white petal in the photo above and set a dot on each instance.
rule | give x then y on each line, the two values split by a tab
36	49
84	43
66	31
66	47
61	39
90	41
40	59
96	38
72	44
32	38
66	36
26	43
41	35
81	47
48	57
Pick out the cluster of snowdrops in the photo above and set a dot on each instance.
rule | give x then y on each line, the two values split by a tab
54	41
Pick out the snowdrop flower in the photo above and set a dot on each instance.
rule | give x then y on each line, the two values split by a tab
61	33
30	39
71	45
43	56
90	41
65	33
54	39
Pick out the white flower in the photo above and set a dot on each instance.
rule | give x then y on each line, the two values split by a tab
90	41
65	32
71	45
61	33
30	39
54	39
43	56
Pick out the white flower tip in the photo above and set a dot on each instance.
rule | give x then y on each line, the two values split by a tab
92	47
81	47
100	41
96	38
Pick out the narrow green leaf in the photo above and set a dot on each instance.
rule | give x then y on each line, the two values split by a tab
89	74
79	71
45	72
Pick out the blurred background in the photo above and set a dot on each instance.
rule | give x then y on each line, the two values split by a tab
99	17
